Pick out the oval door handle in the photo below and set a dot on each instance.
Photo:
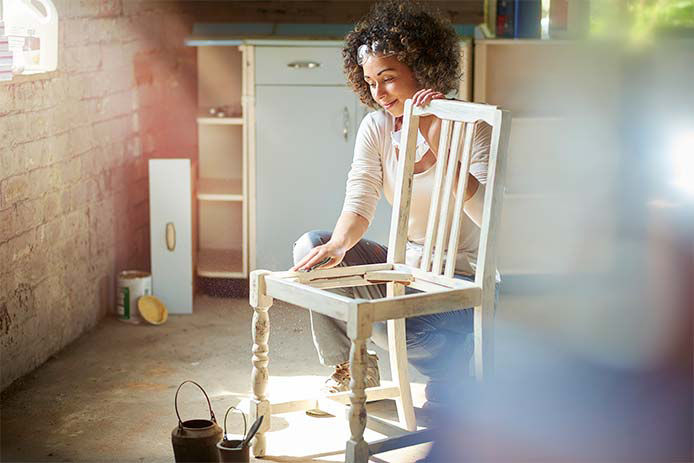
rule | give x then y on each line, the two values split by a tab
345	123
170	236
303	65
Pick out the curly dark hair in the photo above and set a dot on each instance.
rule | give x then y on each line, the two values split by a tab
423	40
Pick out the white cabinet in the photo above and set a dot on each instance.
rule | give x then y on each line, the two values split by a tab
304	139
547	226
171	233
276	165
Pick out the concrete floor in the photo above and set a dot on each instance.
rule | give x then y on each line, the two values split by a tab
109	396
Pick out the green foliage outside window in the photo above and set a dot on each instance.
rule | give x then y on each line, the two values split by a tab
638	19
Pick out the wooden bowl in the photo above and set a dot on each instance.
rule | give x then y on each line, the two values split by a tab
152	310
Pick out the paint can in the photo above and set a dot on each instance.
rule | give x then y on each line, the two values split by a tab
132	284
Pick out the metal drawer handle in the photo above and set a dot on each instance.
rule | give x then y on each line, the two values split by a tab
303	65
170	236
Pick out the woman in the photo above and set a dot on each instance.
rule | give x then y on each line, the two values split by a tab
398	51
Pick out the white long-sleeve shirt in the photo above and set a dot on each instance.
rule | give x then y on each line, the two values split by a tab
374	171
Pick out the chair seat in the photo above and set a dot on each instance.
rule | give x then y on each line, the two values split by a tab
309	290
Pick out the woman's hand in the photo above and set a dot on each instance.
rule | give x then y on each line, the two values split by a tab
424	96
328	253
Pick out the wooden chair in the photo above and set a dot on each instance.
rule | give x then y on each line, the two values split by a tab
440	291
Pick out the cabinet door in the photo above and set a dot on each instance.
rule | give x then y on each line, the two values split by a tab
304	147
171	214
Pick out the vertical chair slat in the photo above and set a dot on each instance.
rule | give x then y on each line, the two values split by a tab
444	208
432	222
402	196
459	201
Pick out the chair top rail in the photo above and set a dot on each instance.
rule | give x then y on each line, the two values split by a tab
458	111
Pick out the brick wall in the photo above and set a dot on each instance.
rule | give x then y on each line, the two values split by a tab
74	146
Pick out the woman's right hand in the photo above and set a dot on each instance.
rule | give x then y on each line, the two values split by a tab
329	251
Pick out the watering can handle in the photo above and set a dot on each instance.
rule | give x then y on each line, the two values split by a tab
180	423
245	429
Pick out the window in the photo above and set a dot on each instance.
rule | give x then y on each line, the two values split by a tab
28	37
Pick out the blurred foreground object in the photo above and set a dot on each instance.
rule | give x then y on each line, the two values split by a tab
596	364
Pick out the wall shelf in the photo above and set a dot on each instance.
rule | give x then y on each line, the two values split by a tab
218	189
221	190
207	120
220	263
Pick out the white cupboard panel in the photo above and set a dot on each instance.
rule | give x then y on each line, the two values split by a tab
170	205
554	235
302	161
536	149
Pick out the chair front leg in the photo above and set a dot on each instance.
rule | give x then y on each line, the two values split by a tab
357	449
359	330
260	405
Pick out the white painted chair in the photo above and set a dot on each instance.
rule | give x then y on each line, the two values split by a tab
441	292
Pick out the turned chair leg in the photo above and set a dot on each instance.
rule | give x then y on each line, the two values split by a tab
260	405
359	330
357	450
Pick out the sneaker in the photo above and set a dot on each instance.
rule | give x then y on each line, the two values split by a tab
440	393
339	380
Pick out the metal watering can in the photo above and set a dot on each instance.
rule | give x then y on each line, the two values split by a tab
196	440
234	450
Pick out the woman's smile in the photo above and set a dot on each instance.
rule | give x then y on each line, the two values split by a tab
390	81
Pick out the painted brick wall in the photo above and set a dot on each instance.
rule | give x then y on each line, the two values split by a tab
74	146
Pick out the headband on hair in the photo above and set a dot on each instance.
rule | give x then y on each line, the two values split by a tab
364	52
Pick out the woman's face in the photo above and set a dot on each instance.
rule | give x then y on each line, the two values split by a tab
391	82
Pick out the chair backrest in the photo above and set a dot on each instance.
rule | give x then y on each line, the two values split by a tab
455	147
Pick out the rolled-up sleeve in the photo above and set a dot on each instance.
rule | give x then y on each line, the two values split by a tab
365	179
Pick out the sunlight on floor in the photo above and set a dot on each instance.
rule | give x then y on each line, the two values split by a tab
296	437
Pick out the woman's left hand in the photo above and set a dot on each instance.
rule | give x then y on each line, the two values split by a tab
422	97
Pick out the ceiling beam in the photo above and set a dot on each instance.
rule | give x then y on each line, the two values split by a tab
318	11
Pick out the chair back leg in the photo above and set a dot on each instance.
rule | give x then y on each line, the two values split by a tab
397	349
397	353
484	338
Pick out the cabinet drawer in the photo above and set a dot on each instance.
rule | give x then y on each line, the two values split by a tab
299	66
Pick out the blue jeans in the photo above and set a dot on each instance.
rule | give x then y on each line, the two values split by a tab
439	346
